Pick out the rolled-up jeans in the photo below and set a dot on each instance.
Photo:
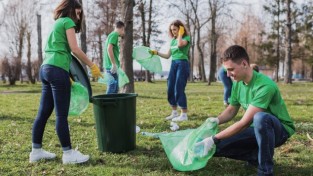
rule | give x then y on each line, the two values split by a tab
256	144
112	85
56	94
176	83
227	82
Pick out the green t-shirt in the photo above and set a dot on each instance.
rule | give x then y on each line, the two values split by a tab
112	39
180	53
263	93
57	50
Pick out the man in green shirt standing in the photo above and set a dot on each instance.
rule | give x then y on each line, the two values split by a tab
266	123
111	56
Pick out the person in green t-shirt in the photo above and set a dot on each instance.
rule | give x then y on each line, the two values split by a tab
179	71
266	123
111	56
56	82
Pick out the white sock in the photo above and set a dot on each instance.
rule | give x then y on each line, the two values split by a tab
67	151
184	114
174	111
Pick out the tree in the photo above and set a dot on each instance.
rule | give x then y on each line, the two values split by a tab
215	9
30	75
275	9
146	37
198	24
288	71
127	45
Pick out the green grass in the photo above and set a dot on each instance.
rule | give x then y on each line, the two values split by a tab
19	105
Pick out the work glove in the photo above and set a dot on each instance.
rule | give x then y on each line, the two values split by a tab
153	52
113	69
205	146
181	31
95	71
214	120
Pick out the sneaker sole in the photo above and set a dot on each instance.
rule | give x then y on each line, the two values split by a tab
33	161
167	118
173	120
76	162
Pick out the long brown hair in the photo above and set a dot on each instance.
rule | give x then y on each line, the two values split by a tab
66	8
177	23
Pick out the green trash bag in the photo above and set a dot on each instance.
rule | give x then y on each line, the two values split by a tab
79	99
109	79
180	147
122	77
147	60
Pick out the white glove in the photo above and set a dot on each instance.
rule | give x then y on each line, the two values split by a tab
214	120
113	69
206	144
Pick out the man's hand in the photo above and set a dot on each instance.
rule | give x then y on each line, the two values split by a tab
153	52
113	69
95	71
207	145
181	31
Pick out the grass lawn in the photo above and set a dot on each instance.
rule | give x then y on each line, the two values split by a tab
19	105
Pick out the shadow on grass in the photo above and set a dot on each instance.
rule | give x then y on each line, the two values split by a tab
150	97
20	91
15	118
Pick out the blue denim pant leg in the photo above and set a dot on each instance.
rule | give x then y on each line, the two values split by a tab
227	82
270	133
177	81
56	93
255	143
112	86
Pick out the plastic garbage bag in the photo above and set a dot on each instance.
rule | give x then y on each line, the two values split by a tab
79	99
122	77
148	61
180	147
141	52
109	79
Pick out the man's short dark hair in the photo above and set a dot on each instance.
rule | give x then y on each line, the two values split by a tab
236	54
119	24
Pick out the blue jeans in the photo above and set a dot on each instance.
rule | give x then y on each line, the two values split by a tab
227	82
112	86
256	144
176	83
56	93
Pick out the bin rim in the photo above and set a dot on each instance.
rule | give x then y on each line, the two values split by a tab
95	97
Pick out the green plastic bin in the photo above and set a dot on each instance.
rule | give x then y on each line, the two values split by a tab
115	118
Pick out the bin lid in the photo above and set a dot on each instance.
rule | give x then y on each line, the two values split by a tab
79	74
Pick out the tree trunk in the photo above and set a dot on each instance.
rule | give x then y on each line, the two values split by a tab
213	42
39	51
29	63
288	71
100	52
278	42
83	38
201	58
127	45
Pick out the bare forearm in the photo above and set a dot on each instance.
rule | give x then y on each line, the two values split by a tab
82	56
229	113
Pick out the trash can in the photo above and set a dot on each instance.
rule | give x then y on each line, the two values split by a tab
115	117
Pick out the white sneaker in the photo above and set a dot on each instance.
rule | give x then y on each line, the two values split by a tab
180	118
73	157
38	154
172	116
